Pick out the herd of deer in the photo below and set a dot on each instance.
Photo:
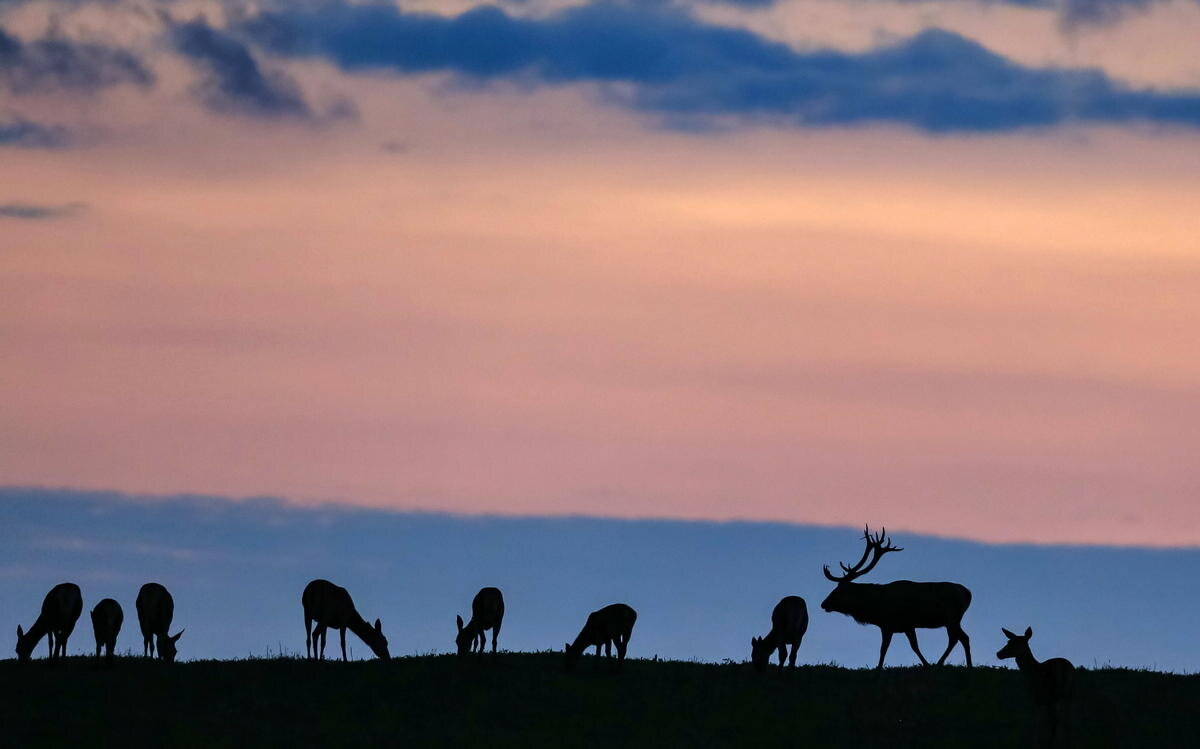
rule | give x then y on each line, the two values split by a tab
900	606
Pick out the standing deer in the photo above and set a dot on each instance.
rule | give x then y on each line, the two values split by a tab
789	622
60	610
155	609
487	612
1050	684
900	606
330	606
610	625
107	618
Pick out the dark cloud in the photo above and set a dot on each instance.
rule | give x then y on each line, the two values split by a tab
694	74
22	133
402	566
33	212
233	81
53	63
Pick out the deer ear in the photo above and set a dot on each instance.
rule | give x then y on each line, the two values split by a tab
460	624
1008	634
177	636
20	632
378	626
1028	632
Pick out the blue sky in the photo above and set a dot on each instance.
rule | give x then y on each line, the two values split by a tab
236	570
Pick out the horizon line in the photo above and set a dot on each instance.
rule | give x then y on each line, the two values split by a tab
347	505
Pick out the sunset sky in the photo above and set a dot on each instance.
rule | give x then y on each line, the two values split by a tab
934	265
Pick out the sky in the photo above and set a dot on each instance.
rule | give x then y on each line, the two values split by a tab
932	264
236	571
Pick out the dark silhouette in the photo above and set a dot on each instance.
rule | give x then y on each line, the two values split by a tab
60	610
330	606
789	622
487	612
155	609
107	618
611	625
900	606
1050	684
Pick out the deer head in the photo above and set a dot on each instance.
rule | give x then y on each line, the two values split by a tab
842	596
1017	645
465	638
166	646
760	653
24	645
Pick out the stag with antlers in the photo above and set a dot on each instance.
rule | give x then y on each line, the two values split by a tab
900	606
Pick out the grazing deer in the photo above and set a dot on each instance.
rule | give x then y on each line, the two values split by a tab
487	612
155	609
900	606
107	618
610	625
330	606
60	610
1050	683
789	622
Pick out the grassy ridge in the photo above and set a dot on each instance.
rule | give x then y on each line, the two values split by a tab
527	700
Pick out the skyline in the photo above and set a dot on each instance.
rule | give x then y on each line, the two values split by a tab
808	261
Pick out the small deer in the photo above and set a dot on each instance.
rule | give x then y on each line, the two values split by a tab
610	625
1050	684
789	622
900	606
155	609
330	606
60	610
487	612
107	618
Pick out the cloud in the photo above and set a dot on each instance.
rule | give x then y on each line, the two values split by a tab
19	132
233	81
34	212
695	74
54	63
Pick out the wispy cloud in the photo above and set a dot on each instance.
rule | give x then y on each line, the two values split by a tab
695	74
56	63
36	212
19	132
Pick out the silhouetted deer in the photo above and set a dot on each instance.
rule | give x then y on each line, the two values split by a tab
900	606
487	612
1050	683
60	610
330	606
789	622
611	625
155	609
107	618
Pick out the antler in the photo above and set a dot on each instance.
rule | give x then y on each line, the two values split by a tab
879	543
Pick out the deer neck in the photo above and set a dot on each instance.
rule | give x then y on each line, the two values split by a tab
359	626
1026	662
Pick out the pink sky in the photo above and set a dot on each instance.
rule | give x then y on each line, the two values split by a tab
543	304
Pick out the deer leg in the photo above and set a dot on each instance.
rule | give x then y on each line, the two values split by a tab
792	657
883	647
952	635
308	638
912	640
319	638
966	642
342	634
782	655
495	636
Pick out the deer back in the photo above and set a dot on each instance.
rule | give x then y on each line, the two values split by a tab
329	604
155	609
789	619
487	609
107	618
62	607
